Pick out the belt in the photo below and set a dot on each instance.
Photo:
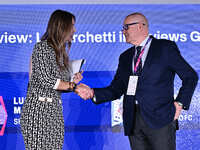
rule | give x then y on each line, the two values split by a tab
45	99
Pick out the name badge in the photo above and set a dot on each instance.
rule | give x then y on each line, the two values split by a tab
132	85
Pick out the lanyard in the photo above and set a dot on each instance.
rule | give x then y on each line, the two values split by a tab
140	56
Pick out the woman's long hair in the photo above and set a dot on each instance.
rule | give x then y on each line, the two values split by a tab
59	26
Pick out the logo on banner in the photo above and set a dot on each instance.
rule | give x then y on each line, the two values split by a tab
116	112
3	116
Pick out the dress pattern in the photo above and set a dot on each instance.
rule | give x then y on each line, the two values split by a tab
42	123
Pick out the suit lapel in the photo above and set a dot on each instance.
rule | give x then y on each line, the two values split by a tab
149	57
131	59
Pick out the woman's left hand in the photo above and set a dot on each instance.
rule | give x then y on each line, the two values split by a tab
78	77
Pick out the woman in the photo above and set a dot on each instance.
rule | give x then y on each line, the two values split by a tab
41	120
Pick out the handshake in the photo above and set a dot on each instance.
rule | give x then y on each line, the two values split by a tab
84	91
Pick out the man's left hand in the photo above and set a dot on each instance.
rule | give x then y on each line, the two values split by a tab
178	110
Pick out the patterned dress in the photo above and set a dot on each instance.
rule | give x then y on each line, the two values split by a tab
42	123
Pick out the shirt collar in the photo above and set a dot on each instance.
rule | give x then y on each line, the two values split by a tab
144	42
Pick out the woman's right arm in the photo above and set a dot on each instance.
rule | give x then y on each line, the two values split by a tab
47	71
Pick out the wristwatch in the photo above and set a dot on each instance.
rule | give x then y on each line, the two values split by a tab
180	104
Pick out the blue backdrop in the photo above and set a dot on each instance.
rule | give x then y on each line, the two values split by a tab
98	40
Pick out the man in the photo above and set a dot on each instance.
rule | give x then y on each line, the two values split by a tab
145	75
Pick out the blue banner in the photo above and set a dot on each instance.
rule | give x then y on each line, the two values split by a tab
100	41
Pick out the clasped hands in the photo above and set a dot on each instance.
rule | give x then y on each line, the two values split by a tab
84	91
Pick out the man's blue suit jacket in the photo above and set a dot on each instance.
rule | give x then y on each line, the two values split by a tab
155	89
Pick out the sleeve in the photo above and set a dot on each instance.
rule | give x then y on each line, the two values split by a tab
46	67
113	91
57	84
186	73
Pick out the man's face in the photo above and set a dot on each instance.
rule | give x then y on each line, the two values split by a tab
131	30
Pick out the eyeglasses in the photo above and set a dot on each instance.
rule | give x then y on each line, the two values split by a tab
125	27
